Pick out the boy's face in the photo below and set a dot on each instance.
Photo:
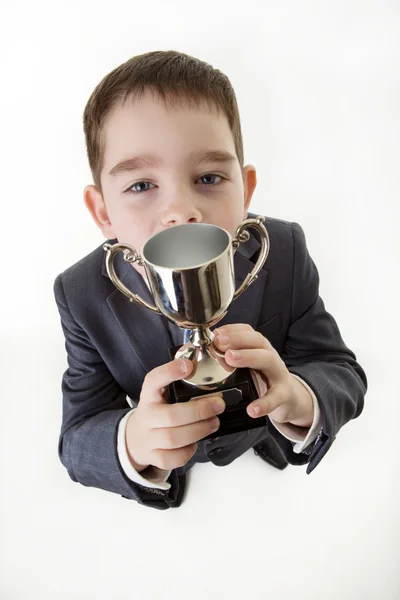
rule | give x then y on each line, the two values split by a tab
170	180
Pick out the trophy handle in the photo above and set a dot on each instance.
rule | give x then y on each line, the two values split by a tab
130	256
242	235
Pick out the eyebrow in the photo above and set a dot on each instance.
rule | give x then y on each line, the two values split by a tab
152	160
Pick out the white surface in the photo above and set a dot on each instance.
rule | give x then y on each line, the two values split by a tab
318	88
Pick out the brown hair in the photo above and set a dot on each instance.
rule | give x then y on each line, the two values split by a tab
175	77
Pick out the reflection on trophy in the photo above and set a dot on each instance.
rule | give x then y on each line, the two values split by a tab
190	270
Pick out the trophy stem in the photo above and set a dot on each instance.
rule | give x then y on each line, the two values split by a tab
210	371
201	336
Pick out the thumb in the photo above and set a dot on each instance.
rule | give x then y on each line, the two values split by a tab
156	380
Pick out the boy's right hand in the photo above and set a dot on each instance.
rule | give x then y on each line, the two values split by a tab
164	435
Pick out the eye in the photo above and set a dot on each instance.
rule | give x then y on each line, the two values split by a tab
138	187
207	180
211	176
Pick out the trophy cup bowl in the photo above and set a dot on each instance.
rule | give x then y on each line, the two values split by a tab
190	272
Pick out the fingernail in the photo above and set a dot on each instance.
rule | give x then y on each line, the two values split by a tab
215	424
255	410
182	366
218	405
235	354
224	339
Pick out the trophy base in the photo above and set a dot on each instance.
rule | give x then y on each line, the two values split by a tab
238	391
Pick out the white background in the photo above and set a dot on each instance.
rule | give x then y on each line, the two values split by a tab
318	86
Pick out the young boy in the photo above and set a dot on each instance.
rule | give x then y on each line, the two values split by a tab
165	148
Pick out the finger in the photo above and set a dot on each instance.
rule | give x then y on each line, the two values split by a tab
265	360
178	437
275	400
171	459
244	339
233	328
157	379
184	413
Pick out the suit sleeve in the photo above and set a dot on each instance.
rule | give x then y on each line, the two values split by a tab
315	351
93	406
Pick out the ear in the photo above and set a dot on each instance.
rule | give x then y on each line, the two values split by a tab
95	204
249	184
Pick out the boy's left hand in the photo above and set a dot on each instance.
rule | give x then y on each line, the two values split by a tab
286	400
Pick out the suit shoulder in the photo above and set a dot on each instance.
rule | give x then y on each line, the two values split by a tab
84	266
278	228
83	277
273	222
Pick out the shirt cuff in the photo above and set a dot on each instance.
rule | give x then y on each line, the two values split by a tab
152	477
300	436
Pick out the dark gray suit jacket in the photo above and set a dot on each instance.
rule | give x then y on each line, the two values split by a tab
111	344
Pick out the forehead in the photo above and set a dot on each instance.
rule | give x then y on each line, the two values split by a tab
146	124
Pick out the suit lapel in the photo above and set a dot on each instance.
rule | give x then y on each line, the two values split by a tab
246	308
146	330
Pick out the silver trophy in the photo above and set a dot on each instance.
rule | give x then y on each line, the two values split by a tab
190	271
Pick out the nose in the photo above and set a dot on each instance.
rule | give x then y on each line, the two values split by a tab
179	211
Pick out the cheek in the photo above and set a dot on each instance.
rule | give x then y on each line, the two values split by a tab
129	227
124	214
232	217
